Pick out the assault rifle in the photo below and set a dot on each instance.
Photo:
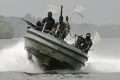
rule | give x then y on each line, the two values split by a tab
61	19
29	23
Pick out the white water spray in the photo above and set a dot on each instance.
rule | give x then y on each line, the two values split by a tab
105	58
14	58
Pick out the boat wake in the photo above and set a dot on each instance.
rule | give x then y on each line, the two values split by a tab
105	58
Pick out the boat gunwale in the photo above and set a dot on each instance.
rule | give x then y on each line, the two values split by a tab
54	49
69	48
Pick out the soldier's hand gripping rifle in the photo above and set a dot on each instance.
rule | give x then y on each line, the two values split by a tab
29	23
60	18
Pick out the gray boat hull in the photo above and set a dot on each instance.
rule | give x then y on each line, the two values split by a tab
53	53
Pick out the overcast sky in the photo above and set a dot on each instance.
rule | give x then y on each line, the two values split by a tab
97	11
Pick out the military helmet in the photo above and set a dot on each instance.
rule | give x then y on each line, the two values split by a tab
49	14
38	23
88	34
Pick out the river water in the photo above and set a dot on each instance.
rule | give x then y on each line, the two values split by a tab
103	63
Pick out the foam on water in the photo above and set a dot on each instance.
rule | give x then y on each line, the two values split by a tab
106	57
14	58
104	65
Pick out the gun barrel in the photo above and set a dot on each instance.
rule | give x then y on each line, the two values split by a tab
61	10
61	17
29	23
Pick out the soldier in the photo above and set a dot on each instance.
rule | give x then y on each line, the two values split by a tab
48	22
79	42
39	26
87	44
67	28
59	28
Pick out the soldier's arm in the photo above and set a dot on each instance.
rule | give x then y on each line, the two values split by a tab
56	24
53	22
88	47
90	44
44	20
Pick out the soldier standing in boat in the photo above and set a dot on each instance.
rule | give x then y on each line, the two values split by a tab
61	28
48	22
67	28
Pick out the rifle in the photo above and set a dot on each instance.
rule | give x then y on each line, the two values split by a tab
75	35
61	17
29	23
